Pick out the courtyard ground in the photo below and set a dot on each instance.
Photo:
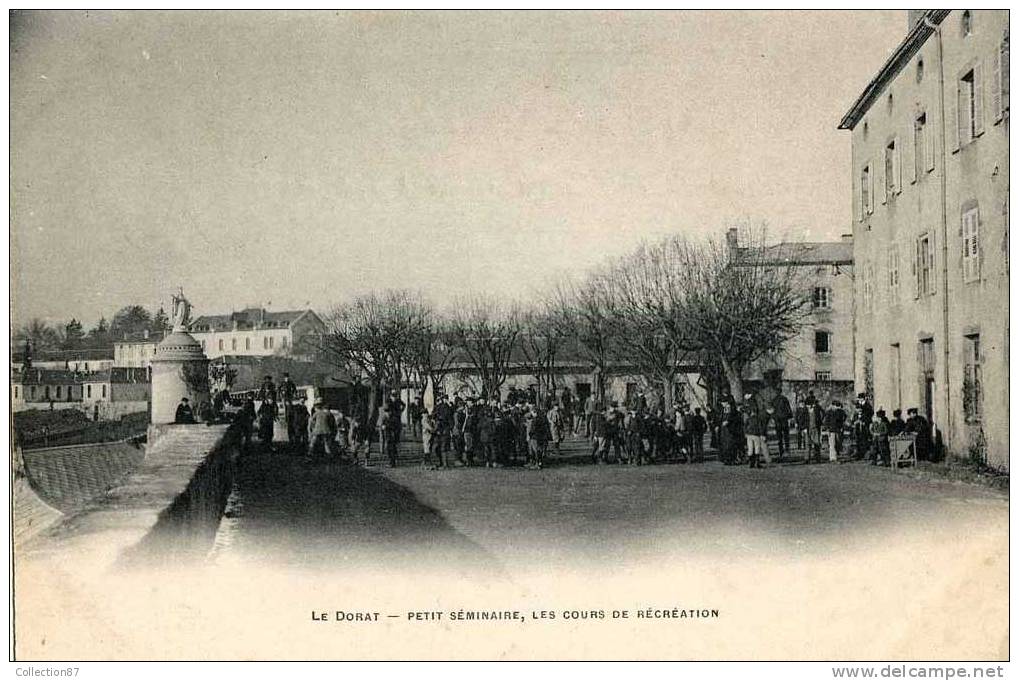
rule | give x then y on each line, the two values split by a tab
294	511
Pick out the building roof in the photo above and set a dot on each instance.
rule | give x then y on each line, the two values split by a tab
808	253
249	318
141	337
899	58
88	354
35	376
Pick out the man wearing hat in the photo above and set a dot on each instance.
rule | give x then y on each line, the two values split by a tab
862	418
322	429
184	414
879	435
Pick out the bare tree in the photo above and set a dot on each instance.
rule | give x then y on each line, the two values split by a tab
431	350
581	312
485	331
647	314
373	335
541	339
740	304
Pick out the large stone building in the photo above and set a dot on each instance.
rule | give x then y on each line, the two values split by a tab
255	332
819	358
930	225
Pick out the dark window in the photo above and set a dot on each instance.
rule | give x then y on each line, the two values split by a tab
822	342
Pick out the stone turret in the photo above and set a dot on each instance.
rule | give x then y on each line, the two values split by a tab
179	369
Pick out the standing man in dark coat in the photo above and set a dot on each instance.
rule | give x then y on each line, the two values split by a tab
697	426
246	420
862	418
267	390
781	412
538	435
298	425
267	414
802	424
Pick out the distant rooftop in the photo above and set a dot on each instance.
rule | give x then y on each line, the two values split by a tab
249	318
140	337
809	253
90	354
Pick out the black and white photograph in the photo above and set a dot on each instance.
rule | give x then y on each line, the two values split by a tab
517	335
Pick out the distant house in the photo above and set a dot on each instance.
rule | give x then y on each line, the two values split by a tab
87	359
820	357
135	350
255	332
106	394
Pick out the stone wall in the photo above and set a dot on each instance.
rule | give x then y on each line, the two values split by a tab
186	528
166	512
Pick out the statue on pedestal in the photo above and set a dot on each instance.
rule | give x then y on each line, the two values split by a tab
181	311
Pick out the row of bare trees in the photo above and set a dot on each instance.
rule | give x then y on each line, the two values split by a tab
667	305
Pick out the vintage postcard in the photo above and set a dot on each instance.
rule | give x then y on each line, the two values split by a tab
510	335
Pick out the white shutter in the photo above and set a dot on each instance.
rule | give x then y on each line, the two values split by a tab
930	150
960	117
918	148
883	181
870	188
864	193
916	268
897	165
996	86
978	100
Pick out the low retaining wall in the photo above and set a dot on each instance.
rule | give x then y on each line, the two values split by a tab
186	528
166	512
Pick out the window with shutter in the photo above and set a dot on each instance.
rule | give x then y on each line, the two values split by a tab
897	164
977	94
962	123
885	175
870	189
931	260
864	192
916	268
929	149
919	146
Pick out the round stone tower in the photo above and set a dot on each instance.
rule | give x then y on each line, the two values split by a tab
179	369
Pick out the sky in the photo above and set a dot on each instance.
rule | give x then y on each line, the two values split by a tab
299	158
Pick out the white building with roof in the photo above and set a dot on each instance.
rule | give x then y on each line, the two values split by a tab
255	332
820	357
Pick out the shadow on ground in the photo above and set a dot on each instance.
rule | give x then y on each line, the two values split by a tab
321	514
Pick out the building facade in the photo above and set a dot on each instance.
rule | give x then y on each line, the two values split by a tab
88	359
135	350
102	395
930	225
255	332
819	358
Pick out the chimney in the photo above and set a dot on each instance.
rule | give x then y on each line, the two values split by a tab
732	239
847	238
